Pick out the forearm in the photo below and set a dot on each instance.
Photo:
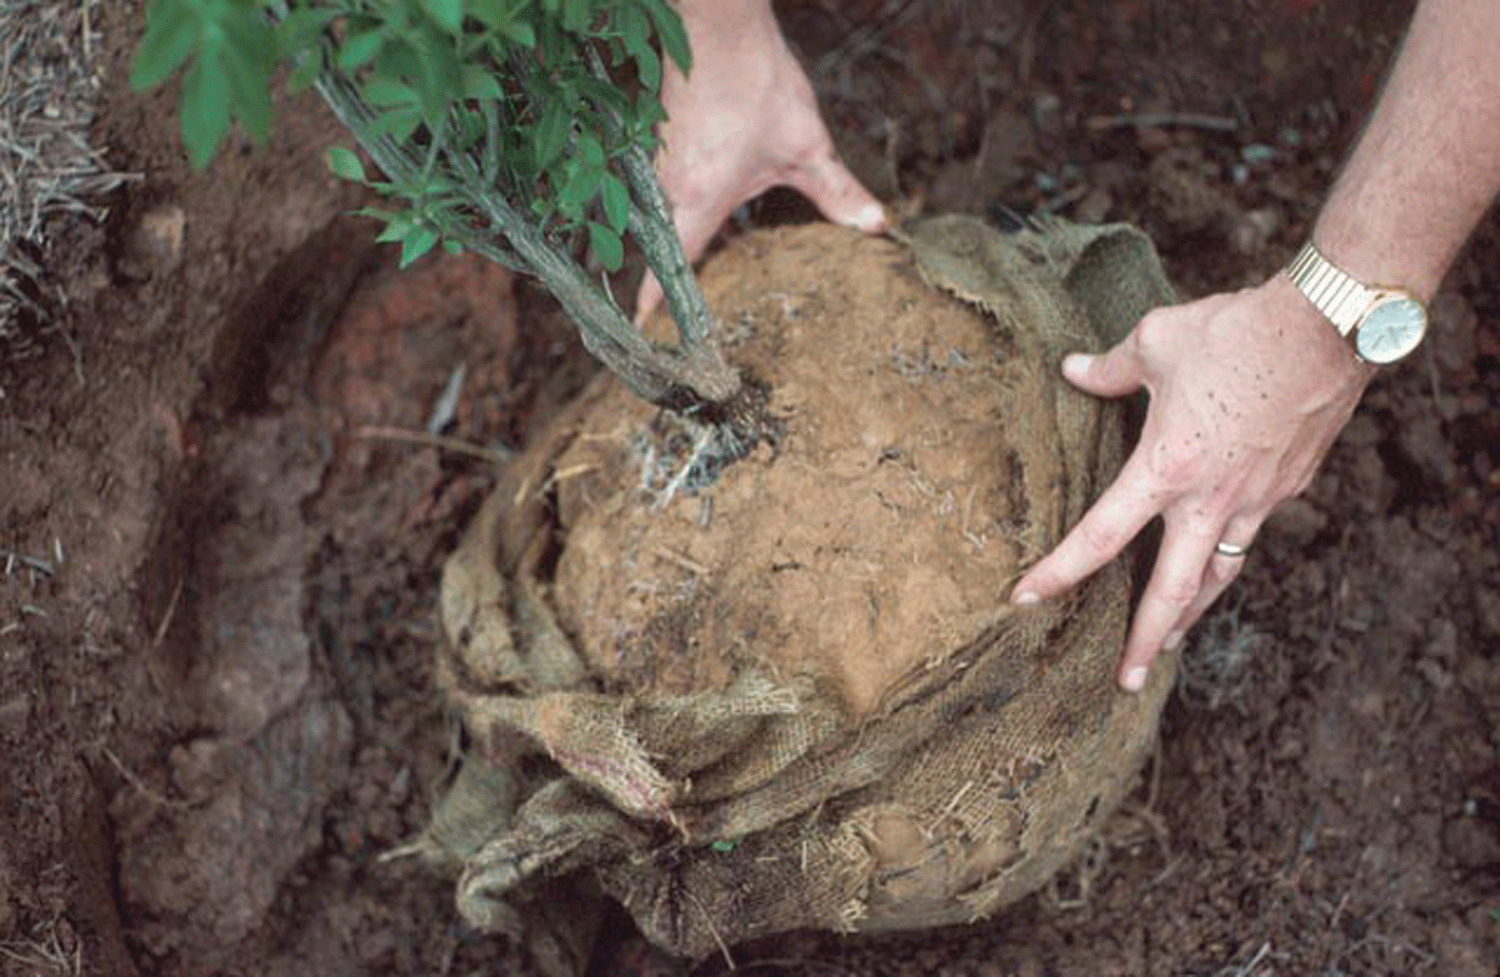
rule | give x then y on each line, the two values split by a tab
1428	164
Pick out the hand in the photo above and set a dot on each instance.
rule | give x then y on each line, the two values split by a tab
1248	391
745	121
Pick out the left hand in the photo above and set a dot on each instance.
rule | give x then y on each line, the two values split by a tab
744	121
1248	391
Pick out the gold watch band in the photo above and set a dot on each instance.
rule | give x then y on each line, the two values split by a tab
1332	291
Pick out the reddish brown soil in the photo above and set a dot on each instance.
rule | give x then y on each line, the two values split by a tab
216	706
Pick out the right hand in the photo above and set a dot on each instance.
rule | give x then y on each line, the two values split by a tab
744	122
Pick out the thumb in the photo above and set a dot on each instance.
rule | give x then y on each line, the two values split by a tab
648	298
827	182
1112	374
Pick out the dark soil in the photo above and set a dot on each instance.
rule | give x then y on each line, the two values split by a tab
221	545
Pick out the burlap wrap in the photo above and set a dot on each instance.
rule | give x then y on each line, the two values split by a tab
754	707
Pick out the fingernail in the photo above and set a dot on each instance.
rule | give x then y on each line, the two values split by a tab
1135	679
1026	599
871	219
1173	640
1076	364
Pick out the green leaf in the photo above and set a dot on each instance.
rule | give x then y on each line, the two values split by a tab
205	106
616	202
345	164
606	246
398	123
249	56
582	184
416	244
724	847
551	134
385	92
576	15
633	27
448	13
397	227
453	247
301	28
478	83
674	39
604	95
356	51
468	128
648	110
171	34
303	76
635	32
648	69
589	150
385	216
521	32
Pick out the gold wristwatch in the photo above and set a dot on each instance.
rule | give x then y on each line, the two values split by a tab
1383	324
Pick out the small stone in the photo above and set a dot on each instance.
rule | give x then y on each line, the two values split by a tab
1452	332
1460	952
15	716
162	232
1257	153
1046	113
1254	229
1361	432
1298	521
1153	139
1095	206
1472	842
155	245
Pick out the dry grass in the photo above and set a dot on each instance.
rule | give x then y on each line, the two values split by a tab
52	951
48	170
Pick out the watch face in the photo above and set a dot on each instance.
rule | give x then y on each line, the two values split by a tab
1391	329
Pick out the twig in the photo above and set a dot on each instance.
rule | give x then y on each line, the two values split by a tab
1161	120
495	456
445	408
712	929
134	779
672	556
166	617
12	558
669	492
1247	969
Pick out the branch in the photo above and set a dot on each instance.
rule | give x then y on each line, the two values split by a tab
350	109
663	377
651	225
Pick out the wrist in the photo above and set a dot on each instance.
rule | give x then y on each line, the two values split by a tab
1361	234
1305	334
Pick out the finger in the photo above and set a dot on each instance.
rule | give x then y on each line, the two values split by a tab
1220	573
1176	581
1111	522
1112	374
827	182
648	298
